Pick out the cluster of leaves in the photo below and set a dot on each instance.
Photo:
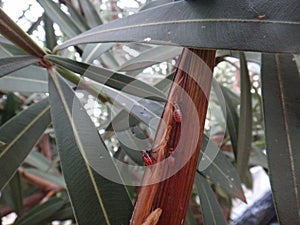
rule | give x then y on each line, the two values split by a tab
30	171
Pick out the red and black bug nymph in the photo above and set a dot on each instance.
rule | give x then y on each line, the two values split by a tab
148	160
177	114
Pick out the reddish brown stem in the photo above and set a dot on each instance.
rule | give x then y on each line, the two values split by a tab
168	185
40	182
44	146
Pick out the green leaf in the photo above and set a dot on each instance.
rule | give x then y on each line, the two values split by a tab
139	47
134	106
150	57
110	78
64	213
9	108
229	113
77	17
253	27
120	120
29	79
245	122
280	90
20	134
165	84
34	25
9	49
40	213
144	110
211	211
132	145
50	32
257	157
11	64
90	13
65	23
87	165
13	194
214	165
56	179
92	51
3	40
10	30
39	161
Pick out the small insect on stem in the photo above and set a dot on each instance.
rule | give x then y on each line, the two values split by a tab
177	114
147	158
261	17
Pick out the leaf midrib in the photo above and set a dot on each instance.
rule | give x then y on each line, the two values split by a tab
25	79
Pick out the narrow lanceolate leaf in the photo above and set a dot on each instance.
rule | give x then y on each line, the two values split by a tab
5	41
76	17
92	51
93	182
9	49
65	23
211	211
29	79
34	25
214	165
19	135
49	31
64	213
152	56
13	194
230	114
112	79
10	30
280	85
11	64
90	13
40	213
269	30
258	158
245	122
9	109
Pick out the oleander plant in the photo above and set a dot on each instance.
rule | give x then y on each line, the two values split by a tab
148	111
